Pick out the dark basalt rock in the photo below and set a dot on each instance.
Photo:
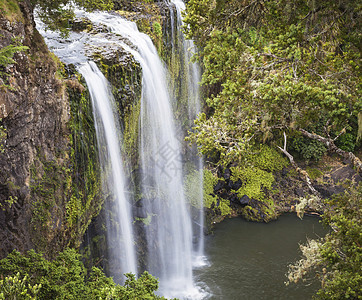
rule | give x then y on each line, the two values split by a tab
139	213
327	191
236	185
227	174
245	200
299	192
220	185
81	24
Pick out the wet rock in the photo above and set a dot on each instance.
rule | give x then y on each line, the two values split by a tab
343	173
284	172
140	213
81	24
236	185
227	174
245	200
299	192
220	185
35	114
327	191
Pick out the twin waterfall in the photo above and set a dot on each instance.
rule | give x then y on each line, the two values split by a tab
174	239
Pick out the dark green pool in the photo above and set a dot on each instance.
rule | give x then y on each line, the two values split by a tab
249	260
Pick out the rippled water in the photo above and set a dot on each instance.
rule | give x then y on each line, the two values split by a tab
249	260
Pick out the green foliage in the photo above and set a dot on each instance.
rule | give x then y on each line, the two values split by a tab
341	251
8	202
273	66
267	159
66	278
210	200
256	173
309	149
6	57
15	288
255	181
347	142
7	53
314	173
336	258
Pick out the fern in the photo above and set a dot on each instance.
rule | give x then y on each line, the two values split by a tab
7	54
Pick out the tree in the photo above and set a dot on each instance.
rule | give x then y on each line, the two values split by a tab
30	276
335	259
274	67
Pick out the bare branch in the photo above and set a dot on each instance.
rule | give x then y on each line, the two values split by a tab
302	172
333	148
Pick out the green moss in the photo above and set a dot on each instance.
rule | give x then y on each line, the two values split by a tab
47	192
3	136
130	134
10	9
85	201
66	190
192	188
146	221
125	77
267	159
254	181
262	212
257	182
211	201
314	173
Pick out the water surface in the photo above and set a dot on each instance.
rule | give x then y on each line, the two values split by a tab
249	260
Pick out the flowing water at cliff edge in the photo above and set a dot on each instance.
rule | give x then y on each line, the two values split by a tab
170	234
108	131
189	87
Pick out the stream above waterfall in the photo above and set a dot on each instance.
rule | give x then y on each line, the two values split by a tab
249	260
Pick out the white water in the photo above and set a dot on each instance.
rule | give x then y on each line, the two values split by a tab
191	80
122	254
109	143
169	237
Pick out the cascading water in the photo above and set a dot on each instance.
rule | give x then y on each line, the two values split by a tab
190	84
169	230
122	256
169	234
109	143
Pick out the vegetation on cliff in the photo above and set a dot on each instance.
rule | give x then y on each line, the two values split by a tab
32	277
286	74
335	260
274	67
274	72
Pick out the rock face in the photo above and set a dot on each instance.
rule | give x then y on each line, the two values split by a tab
49	172
34	113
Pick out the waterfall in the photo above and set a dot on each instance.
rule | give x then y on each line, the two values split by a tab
109	143
191	81
168	225
122	255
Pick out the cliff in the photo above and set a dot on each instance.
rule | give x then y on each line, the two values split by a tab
49	179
